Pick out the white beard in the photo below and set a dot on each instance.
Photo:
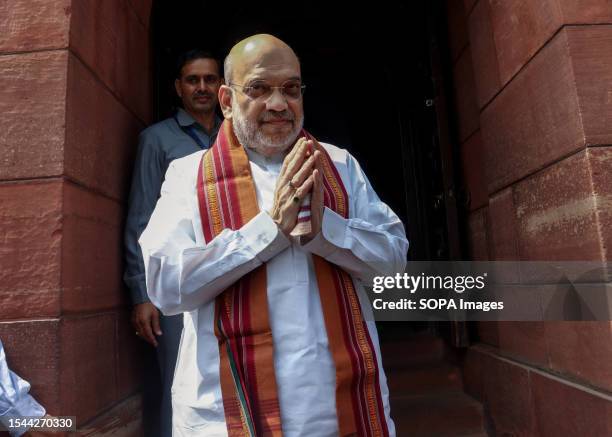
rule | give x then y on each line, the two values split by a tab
249	134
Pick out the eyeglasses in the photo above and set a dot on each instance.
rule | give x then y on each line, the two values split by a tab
292	90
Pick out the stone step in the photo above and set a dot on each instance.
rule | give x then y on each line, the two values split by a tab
444	414
420	349
427	379
123	420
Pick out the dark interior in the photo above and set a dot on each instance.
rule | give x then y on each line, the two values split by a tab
367	68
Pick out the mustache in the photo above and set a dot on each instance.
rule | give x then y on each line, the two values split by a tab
276	116
202	94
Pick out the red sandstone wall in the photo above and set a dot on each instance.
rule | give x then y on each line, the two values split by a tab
74	93
533	85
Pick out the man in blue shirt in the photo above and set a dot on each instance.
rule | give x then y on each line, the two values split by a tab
193	127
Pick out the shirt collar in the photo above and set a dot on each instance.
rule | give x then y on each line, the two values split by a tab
271	163
184	119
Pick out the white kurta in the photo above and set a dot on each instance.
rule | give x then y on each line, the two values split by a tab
184	275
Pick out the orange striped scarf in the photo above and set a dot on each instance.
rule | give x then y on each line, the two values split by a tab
227	199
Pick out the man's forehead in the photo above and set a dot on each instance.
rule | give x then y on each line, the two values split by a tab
271	72
266	60
201	66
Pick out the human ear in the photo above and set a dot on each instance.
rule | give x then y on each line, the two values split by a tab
225	101
177	87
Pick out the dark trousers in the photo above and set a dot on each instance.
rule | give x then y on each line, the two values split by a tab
158	378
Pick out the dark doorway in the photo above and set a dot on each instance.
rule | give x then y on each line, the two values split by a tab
368	71
374	86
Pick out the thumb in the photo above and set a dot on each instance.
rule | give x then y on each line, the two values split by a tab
317	195
155	323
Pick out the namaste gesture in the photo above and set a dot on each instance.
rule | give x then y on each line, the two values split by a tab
300	175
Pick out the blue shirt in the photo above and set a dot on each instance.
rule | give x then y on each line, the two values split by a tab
158	146
15	401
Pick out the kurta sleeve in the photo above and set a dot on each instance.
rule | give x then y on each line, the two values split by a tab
15	400
146	184
371	242
182	275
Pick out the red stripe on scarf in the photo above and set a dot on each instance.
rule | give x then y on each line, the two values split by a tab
203	203
349	340
221	185
383	421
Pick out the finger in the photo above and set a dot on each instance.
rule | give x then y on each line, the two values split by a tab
137	325
296	163
308	148
306	170
296	148
291	154
317	194
155	323
147	334
134	320
294	202
286	192
316	208
283	201
140	328
305	188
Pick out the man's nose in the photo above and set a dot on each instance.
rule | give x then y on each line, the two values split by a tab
276	101
202	85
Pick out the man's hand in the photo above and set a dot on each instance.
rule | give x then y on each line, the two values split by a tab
145	319
316	204
296	179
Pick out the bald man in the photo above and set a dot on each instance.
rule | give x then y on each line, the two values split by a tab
264	243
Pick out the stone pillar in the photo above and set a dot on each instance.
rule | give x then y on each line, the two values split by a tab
533	82
75	80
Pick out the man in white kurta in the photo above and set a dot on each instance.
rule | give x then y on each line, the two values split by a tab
184	275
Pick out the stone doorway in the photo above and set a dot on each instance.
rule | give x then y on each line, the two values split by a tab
376	86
